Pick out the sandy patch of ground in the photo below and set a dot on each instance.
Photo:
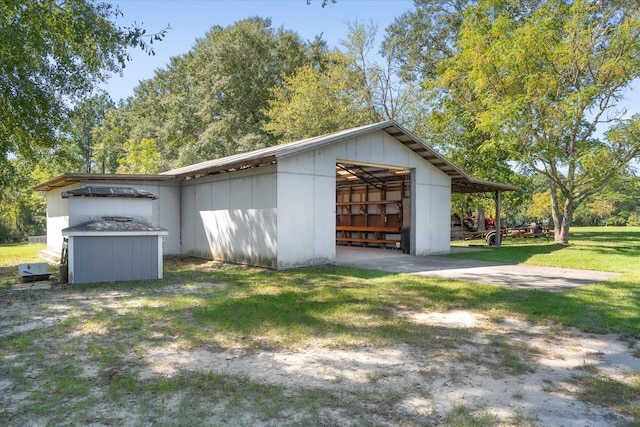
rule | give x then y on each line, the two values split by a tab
544	393
521	373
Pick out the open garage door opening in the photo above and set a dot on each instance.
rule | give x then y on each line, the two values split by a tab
373	206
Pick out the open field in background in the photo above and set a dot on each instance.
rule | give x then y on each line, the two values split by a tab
13	254
218	344
590	248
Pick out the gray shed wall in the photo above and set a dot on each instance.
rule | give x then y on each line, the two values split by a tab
115	258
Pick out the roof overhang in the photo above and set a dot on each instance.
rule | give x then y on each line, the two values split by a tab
67	179
470	185
270	155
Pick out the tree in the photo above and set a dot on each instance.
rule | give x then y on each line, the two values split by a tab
340	89
541	206
244	62
419	40
417	43
142	157
53	53
384	94
537	80
79	131
602	208
319	100
210	102
110	137
22	211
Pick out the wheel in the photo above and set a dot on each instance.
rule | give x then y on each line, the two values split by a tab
491	238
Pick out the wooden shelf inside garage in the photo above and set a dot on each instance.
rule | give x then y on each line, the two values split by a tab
369	216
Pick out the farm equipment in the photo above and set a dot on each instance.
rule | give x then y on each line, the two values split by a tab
470	232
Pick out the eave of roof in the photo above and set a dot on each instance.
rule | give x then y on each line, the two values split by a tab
472	185
270	155
109	191
460	181
73	178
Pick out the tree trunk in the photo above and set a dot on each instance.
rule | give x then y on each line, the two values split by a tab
562	237
480	219
555	214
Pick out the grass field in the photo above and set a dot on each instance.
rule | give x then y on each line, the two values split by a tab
234	308
13	254
610	306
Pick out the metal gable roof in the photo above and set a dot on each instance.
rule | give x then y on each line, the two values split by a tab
460	181
270	155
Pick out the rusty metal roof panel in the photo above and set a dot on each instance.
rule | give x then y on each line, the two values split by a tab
108	191
113	225
73	178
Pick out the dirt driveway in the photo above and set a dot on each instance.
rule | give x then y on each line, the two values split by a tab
516	275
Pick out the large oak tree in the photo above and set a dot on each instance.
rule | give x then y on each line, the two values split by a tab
539	81
52	54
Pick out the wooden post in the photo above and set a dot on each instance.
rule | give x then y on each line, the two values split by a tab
498	234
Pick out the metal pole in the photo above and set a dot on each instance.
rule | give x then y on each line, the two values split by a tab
498	235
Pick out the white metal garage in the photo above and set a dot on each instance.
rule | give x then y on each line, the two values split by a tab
277	206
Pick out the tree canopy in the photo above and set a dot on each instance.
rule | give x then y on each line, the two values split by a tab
53	54
211	101
319	100
535	81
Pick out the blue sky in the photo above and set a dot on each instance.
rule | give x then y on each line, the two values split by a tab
191	19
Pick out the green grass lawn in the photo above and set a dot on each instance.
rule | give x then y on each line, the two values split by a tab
340	302
13	254
613	305
218	307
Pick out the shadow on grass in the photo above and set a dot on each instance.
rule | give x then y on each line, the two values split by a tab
613	236
514	254
348	304
352	306
603	391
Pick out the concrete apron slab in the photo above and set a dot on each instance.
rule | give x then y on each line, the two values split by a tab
552	279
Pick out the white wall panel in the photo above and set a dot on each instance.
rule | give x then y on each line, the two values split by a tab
232	217
306	209
190	219
306	198
83	209
57	217
165	210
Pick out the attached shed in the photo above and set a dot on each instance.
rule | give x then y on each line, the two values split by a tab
114	249
117	242
162	210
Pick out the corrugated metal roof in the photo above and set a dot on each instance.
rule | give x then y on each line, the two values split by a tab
104	191
472	185
73	178
460	181
271	154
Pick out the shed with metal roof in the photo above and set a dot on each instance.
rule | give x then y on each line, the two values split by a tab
290	205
